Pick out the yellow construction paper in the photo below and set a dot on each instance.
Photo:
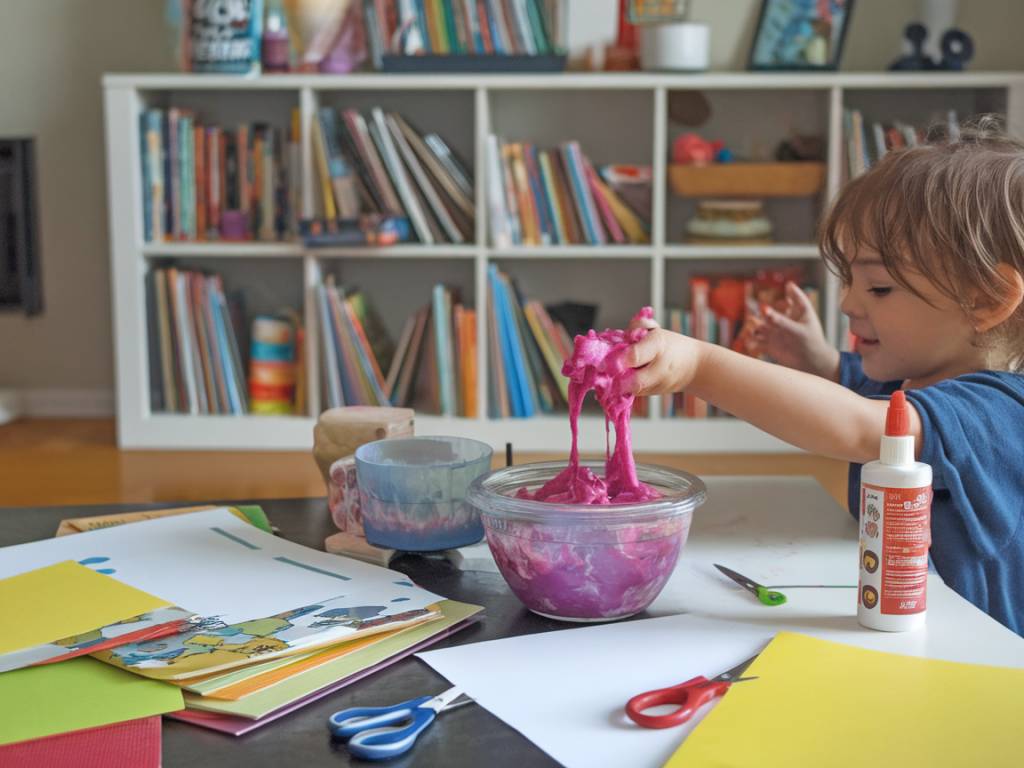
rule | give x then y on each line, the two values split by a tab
62	600
817	702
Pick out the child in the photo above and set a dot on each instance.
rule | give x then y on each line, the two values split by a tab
929	245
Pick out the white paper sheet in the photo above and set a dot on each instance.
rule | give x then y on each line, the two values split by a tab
215	564
566	691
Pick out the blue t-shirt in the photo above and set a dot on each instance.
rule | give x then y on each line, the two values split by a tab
972	435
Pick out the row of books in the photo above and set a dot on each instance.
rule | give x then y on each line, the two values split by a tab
207	182
195	362
866	143
380	178
446	27
724	310
526	350
548	197
432	367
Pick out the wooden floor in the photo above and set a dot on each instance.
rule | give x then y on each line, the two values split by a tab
76	461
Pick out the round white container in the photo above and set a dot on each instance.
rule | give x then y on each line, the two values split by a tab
678	46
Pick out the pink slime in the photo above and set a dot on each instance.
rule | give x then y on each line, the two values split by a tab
598	363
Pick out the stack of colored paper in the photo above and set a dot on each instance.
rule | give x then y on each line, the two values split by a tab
277	623
49	711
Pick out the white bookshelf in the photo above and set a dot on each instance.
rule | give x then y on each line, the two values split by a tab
618	117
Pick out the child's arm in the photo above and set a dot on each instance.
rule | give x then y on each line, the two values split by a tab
803	409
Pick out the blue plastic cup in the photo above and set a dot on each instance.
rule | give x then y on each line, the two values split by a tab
413	492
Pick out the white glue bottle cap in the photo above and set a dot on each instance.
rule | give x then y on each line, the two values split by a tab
897	442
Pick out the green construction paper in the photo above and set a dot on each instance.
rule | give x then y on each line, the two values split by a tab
254	514
75	694
261	703
206	686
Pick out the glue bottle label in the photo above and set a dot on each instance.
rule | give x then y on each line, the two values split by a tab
895	533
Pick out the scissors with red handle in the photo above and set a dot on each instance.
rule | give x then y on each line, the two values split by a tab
689	696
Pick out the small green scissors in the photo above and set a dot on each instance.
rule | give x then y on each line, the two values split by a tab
764	594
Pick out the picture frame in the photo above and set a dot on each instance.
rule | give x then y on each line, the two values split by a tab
794	35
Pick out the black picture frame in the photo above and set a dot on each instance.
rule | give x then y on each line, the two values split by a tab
774	12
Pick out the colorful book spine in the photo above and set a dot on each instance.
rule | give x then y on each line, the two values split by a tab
581	193
443	348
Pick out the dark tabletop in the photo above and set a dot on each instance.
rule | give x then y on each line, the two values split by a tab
467	736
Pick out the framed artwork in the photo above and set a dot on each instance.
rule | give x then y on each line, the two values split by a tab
800	34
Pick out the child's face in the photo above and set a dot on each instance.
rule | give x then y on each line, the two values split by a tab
902	336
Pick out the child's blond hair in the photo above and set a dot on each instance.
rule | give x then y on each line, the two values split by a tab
949	210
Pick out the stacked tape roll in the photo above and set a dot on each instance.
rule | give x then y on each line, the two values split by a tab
272	366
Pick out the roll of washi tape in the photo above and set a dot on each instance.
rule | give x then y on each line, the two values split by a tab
260	391
272	330
274	374
272	407
262	352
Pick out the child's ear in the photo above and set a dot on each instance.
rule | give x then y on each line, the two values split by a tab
992	315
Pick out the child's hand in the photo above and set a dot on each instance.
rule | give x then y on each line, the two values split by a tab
794	337
642	322
663	362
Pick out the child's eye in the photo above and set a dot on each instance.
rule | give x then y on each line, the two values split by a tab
880	291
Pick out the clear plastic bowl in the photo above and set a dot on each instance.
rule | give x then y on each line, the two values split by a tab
579	562
412	491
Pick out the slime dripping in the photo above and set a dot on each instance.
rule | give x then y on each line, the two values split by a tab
598	363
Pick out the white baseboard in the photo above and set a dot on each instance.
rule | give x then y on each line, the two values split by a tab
10	405
67	403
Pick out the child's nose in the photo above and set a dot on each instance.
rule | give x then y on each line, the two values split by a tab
848	305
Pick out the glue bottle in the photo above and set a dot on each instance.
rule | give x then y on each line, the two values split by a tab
895	529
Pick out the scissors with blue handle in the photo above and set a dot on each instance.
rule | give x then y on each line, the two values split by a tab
380	733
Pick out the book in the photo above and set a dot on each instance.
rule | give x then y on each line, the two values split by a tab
448	183
443	348
382	136
611	223
445	219
511	196
403	392
404	341
341	175
169	388
452	164
580	190
332	378
153	352
497	207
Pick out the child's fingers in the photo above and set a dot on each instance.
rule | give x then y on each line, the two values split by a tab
643	322
779	321
801	300
649	380
643	351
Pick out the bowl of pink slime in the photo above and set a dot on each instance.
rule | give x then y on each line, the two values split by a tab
576	546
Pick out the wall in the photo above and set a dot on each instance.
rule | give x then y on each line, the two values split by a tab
54	52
